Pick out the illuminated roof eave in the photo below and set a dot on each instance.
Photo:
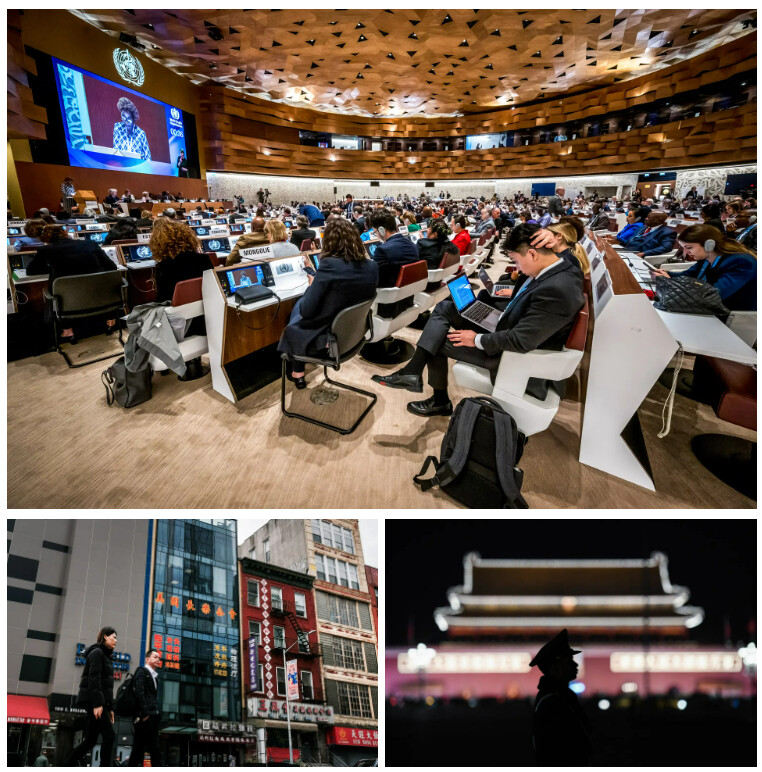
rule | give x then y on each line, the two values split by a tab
458	600
694	618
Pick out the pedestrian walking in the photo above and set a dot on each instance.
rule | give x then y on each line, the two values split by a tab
146	723
41	760
560	729
96	694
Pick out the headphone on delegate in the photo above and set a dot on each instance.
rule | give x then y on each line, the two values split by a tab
709	245
381	230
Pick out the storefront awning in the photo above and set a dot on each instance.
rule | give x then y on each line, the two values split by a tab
281	754
27	710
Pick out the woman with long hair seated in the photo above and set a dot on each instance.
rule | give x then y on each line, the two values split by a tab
277	235
566	245
345	277
728	266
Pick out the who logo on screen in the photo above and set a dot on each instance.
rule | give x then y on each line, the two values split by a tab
175	113
128	67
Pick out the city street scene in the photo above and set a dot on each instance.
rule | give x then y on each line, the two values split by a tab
627	643
192	642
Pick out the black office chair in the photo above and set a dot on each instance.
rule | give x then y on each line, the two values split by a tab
347	336
83	296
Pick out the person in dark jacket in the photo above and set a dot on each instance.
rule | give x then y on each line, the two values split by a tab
62	256
124	228
394	252
430	248
302	233
146	724
710	214
560	729
345	277
730	267
96	694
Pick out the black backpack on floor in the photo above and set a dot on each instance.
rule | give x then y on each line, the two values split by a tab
479	457
125	387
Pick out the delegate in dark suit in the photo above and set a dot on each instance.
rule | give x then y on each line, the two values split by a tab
146	724
540	315
338	284
69	257
657	241
394	252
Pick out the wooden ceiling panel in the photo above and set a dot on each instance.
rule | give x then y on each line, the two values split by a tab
429	62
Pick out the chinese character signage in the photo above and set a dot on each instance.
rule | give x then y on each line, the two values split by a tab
200	607
169	649
344	735
314	714
221	660
292	686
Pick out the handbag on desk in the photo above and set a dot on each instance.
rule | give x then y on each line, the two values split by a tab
689	295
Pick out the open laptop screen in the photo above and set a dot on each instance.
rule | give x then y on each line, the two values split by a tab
461	292
137	252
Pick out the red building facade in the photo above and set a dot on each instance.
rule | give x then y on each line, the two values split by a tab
277	615
371	574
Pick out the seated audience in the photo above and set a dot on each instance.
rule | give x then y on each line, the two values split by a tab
746	233
107	216
710	214
176	251
358	219
408	218
462	238
62	256
122	229
345	278
630	230
566	245
485	222
655	239
599	220
302	233
728	266
394	252
313	214
540	314
430	248
32	231
256	238
111	198
145	220
277	235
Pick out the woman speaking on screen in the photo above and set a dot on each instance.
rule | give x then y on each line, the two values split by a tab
127	136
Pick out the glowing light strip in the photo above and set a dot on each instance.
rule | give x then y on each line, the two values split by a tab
676	662
557	600
561	621
468	662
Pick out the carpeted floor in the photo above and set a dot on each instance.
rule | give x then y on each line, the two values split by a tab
188	447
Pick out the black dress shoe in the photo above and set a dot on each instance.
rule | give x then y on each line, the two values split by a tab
426	408
397	381
299	382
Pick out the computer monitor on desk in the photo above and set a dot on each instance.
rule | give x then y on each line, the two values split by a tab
137	253
14	231
219	245
201	230
235	278
113	254
99	236
237	227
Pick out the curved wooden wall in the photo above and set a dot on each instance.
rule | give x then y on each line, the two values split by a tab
25	119
222	105
717	138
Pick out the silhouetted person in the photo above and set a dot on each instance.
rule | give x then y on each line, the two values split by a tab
560	729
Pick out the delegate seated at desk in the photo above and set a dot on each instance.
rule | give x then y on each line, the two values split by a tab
177	252
725	264
256	238
431	247
32	232
540	314
62	256
345	277
396	250
277	236
656	239
633	228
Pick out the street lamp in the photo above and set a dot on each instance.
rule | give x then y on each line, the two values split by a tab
285	679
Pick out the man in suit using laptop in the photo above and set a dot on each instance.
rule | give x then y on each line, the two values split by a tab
540	314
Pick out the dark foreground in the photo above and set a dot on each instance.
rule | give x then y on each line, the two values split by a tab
708	732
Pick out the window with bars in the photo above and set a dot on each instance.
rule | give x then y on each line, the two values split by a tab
348	653
333	535
308	692
252	592
279	637
354	700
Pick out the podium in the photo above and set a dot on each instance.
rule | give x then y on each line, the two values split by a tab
85	198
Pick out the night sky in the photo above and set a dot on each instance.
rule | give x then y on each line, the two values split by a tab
714	559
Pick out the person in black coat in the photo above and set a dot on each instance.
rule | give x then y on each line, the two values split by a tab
560	729
124	228
540	314
96	694
303	232
394	252
62	256
345	277
146	723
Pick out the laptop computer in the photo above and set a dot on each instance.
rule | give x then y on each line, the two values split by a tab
493	288
469	307
136	253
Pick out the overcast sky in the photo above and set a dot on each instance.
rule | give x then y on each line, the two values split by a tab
368	535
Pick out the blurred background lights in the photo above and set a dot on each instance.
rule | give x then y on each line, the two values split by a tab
604	704
630	687
429	700
577	687
682	704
